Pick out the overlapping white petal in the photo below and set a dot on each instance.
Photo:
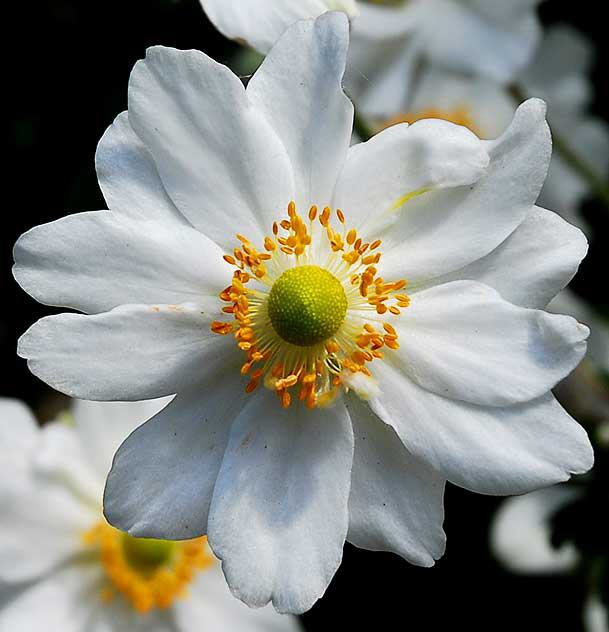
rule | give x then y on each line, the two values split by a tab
305	103
544	243
397	507
164	474
441	231
132	352
279	516
129	261
219	159
510	450
449	344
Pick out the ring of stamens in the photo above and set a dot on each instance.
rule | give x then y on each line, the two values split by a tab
148	573
320	369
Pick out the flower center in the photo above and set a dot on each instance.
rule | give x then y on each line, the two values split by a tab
312	311
307	305
148	573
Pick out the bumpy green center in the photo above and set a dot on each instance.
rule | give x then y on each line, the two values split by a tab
307	305
145	554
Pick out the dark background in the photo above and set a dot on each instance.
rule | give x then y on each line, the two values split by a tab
68	63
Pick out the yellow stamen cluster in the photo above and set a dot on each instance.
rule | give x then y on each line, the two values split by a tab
315	369
147	585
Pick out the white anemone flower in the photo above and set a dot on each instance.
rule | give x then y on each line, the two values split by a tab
64	568
255	264
493	38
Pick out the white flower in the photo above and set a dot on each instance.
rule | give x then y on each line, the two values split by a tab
463	374
596	617
493	38
63	568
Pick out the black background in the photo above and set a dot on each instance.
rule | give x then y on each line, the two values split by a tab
66	64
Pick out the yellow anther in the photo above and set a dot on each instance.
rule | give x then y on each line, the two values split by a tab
340	215
312	212
390	329
394	310
269	244
291	209
230	260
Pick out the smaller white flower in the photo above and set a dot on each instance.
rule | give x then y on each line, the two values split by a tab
64	568
596	618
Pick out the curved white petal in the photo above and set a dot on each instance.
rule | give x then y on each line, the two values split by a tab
298	89
464	341
65	600
163	475
533	264
403	161
129	178
279	516
96	261
18	430
102	426
260	23
211	607
396	502
219	159
498	451
521	533
596	617
441	231
132	352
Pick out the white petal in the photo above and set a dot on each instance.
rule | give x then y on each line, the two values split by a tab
279	517
96	261
406	160
396	502
211	607
132	352
497	451
18	430
219	159
260	23
163	475
521	532
492	39
129	178
103	426
441	231
298	89
534	263
462	340
64	601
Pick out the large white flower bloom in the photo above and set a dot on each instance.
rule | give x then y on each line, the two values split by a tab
270	447
493	38
63	568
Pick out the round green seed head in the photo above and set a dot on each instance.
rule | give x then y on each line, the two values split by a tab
307	305
146	554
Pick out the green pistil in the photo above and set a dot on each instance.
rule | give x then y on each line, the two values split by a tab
145	554
307	305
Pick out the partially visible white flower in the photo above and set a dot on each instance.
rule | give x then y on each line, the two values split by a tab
63	568
493	38
198	282
260	23
558	74
521	532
